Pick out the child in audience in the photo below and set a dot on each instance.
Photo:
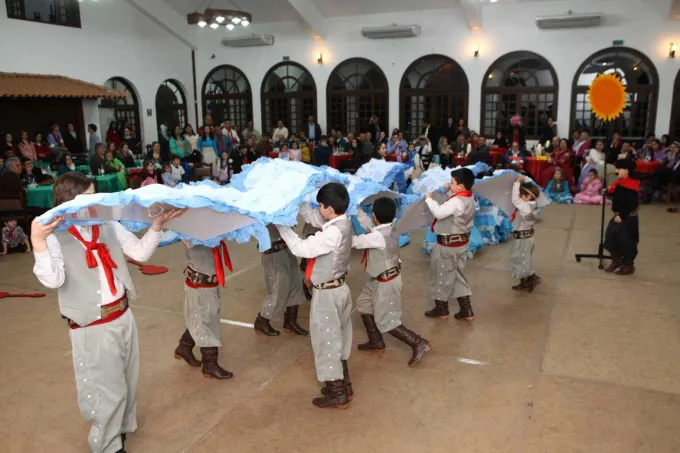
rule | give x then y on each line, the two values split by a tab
295	153
148	174
590	189
284	153
223	173
14	240
306	153
177	169
167	177
524	196
558	189
117	164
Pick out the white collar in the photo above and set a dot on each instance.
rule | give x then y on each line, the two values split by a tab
335	220
381	226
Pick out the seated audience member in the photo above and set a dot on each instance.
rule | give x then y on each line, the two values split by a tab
547	132
121	174
281	132
340	140
42	148
591	189
425	153
130	139
14	240
331	144
191	137
500	140
231	134
223	171
32	174
26	148
9	150
463	129
379	151
657	153
480	153
643	148
264	146
72	140
178	172
295	152
10	183
560	158
148	174
596	158
627	151
166	176
241	157
284	153
98	163
668	174
112	135
394	146
323	152
66	165
125	155
665	141
56	142
382	137
179	146
515	158
558	189
614	147
459	147
575	137
445	152
251	132
155	155
93	140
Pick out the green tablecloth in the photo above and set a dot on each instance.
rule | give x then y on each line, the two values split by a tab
108	183
40	197
83	168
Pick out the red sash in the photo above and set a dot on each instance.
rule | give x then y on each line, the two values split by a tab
219	269
103	251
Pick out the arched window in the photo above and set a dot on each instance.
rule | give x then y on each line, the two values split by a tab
434	88
121	109
289	95
675	110
171	105
227	96
357	89
639	76
521	83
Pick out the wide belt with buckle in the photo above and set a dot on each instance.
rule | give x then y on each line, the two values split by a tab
453	240
109	312
389	274
524	234
337	283
276	247
196	279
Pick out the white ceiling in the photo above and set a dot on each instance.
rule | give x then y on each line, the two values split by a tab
263	11
339	8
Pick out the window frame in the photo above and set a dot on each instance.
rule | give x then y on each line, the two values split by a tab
243	96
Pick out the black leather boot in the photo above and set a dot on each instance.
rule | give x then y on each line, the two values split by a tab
211	369
336	397
375	340
465	312
419	344
290	324
346	380
614	265
627	268
185	350
263	327
440	310
523	284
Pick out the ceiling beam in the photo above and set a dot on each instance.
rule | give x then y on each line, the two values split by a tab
310	18
171	21
472	10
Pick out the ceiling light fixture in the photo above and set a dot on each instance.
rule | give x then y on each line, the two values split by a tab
672	50
219	17
493	1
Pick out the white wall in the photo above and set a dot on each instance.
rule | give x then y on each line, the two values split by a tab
115	40
506	28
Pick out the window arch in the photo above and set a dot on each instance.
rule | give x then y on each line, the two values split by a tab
639	76
357	89
433	87
227	96
171	105
289	95
521	83
675	110
121	109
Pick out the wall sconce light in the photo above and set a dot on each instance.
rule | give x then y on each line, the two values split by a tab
319	58
475	49
671	51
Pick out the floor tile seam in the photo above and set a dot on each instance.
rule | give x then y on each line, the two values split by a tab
595	380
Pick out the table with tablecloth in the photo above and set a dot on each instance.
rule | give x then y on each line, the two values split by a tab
497	155
108	183
535	167
40	197
647	167
336	159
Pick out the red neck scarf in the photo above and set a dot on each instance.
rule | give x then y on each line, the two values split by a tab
219	268
462	193
103	251
627	182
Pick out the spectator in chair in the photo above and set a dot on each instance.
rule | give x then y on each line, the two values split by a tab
72	140
98	161
56	142
26	148
9	150
112	135
148	174
42	148
500	140
130	139
668	174
251	132
66	165
463	129
480	153
31	173
280	132
11	187
323	152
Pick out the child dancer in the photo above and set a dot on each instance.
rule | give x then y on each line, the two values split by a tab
622	236
88	267
380	300
330	322
590	189
524	196
204	273
284	288
14	240
452	224
558	189
307	231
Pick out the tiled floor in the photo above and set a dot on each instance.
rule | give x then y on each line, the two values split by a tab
587	363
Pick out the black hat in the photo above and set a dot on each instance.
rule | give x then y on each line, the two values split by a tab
627	164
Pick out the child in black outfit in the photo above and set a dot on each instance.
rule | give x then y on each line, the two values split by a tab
14	240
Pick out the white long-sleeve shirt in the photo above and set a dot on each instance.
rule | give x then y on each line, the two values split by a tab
526	210
49	265
232	135
280	132
322	243
596	157
372	240
451	207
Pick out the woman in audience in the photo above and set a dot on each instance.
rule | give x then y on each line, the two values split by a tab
560	158
148	174
125	156
500	140
382	138
8	149
67	165
42	148
112	135
591	189
594	160
155	157
179	146
515	158
665	141
462	129
117	164
658	153
207	146
615	145
445	152
26	148
668	174
558	189
191	137
129	138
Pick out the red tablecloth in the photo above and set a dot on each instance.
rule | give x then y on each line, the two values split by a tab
460	160
335	159
496	155
391	157
647	167
273	155
535	167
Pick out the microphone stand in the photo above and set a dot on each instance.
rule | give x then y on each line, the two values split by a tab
600	249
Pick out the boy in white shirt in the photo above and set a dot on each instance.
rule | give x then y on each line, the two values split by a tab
177	169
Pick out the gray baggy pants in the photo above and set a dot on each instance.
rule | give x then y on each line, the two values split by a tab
448	282
106	363
520	257
202	315
283	281
330	327
383	301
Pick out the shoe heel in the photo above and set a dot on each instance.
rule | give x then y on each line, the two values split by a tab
207	376
288	330
342	407
444	317
177	357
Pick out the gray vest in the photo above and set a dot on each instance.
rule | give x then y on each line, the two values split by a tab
200	258
380	260
335	264
457	224
80	295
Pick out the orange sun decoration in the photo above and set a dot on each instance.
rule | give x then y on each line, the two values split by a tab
607	96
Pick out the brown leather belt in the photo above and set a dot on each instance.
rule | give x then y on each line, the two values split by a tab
524	234
108	313
276	247
197	279
453	240
389	274
337	283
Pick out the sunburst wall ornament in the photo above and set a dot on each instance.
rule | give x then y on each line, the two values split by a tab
607	96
